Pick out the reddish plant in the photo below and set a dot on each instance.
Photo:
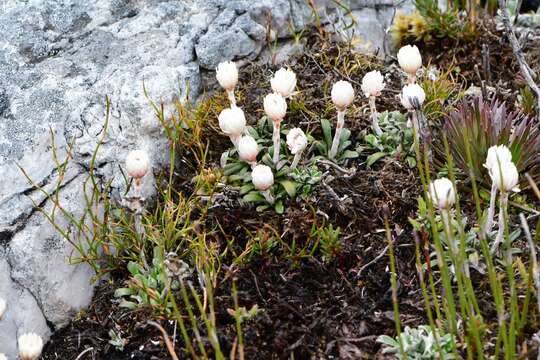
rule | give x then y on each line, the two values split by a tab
480	124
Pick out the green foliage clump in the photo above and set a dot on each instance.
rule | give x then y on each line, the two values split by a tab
419	344
396	139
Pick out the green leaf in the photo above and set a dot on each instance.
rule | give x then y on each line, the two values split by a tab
246	188
387	340
252	132
128	305
253	196
350	154
411	161
236	177
371	140
262	207
289	186
345	135
123	292
327	132
267	159
373	158
233	168
343	145
321	147
279	207
134	268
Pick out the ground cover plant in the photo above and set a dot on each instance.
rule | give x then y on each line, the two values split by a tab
336	206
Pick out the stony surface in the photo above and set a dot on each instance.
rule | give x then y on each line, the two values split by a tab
58	61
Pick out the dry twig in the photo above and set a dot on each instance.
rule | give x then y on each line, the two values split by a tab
526	71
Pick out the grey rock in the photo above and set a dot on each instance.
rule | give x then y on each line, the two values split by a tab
59	59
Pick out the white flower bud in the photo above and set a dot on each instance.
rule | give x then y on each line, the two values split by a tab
410	92
342	94
262	177
373	83
232	121
505	176
3	307
30	346
248	149
137	163
296	140
284	82
3	357
409	59
497	154
227	75
275	106
441	193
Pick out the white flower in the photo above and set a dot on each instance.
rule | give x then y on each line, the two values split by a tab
3	357
409	92
284	82
262	177
137	163
342	94
409	59
30	346
232	121
373	83
296	140
497	154
441	193
275	106
3	307
227	75
505	176
248	149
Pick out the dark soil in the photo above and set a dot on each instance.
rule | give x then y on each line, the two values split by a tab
309	308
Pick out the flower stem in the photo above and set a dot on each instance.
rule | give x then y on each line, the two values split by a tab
445	214
232	98
416	126
374	116
296	159
337	136
235	140
411	79
277	142
135	203
502	212
268	196
491	210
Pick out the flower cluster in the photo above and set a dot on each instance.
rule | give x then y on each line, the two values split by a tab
249	146
504	177
232	122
